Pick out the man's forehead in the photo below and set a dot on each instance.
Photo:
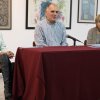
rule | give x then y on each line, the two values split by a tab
52	7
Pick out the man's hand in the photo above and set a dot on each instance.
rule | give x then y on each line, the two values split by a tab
10	54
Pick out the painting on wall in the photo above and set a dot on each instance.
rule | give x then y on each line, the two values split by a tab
5	14
87	11
34	12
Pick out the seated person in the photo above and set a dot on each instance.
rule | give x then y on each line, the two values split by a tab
94	33
6	67
49	31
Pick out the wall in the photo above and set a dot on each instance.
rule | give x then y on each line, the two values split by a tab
21	37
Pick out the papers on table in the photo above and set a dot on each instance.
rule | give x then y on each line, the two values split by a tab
94	45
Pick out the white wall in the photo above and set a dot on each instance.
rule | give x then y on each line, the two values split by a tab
21	37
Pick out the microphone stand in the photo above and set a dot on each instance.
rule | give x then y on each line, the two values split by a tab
74	39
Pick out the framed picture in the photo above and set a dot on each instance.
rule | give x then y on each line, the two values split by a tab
5	14
33	12
87	11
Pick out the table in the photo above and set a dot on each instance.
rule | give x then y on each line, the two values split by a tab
57	73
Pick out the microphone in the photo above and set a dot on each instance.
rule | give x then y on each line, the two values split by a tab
73	38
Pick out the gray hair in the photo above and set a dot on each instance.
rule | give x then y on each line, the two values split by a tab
97	19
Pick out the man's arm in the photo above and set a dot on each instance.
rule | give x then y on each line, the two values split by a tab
2	43
39	36
3	49
64	39
90	37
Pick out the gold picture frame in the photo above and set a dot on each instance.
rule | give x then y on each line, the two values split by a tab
5	14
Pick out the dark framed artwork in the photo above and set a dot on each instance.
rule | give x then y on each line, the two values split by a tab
5	14
87	11
33	14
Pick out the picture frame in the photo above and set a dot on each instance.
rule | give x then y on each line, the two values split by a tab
5	14
87	11
33	15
